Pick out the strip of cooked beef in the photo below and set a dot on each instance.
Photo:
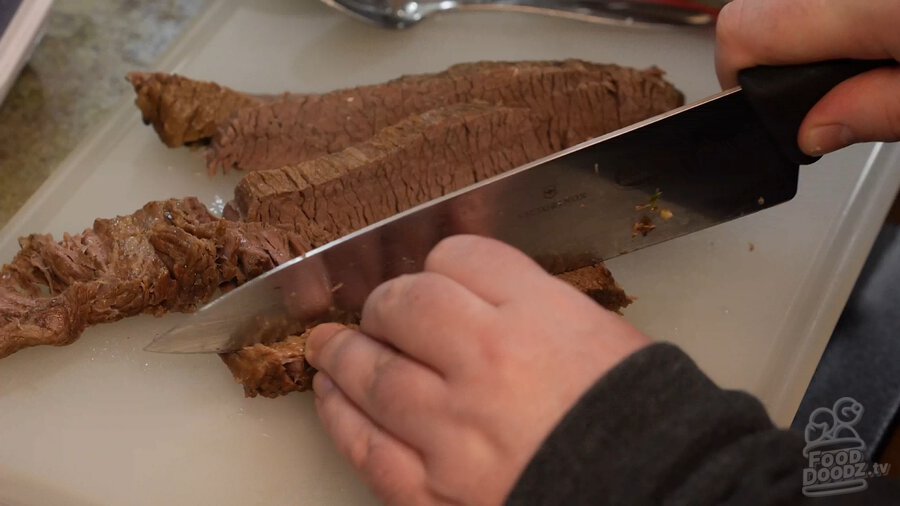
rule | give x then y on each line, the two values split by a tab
417	160
580	98
275	369
168	256
184	111
598	283
272	370
576	99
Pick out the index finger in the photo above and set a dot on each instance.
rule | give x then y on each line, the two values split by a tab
782	32
496	272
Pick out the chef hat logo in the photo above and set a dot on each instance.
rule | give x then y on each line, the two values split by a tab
834	427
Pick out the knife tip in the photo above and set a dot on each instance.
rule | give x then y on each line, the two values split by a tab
158	344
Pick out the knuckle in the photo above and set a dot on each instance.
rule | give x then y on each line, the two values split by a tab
391	486
392	291
400	389
359	451
742	39
728	21
730	32
452	250
383	300
389	376
399	296
492	347
492	353
374	457
422	292
321	335
332	353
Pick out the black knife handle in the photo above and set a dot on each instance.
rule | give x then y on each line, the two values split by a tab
782	96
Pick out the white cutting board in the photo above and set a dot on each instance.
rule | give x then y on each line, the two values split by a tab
102	422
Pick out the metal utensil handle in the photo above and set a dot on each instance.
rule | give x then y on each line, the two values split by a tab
784	95
654	12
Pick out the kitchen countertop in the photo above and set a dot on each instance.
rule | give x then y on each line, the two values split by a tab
74	78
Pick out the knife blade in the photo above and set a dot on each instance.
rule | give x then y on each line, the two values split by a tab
705	164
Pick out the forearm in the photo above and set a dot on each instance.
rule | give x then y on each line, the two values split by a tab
656	430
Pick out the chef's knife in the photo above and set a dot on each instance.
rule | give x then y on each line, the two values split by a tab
698	166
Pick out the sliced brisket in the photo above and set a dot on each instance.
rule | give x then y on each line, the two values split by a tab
598	283
417	160
577	100
168	256
184	111
271	370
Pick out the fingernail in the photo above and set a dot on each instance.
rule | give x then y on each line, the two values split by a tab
827	138
322	384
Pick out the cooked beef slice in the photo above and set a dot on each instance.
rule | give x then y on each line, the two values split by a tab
417	160
182	110
598	283
275	369
168	256
252	132
578	99
272	370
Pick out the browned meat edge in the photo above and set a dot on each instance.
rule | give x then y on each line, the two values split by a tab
168	256
570	96
272	370
184	111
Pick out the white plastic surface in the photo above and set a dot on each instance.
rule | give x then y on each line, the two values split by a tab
102	422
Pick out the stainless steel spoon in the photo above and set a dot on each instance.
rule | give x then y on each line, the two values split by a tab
404	13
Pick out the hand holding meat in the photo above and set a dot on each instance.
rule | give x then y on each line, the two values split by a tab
457	374
778	32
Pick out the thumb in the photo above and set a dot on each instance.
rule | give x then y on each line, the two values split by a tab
862	109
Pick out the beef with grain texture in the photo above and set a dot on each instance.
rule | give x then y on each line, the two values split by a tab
272	370
185	111
419	159
570	96
168	256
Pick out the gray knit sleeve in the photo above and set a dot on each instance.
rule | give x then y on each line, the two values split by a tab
656	430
